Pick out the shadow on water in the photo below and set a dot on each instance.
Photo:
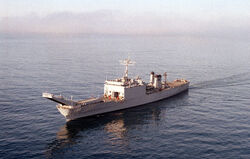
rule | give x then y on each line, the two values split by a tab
234	80
116	123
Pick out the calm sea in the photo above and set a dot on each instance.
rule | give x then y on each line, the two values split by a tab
211	120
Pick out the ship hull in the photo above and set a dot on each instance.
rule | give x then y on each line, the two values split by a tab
72	113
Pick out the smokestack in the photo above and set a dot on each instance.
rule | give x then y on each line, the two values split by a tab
152	78
157	81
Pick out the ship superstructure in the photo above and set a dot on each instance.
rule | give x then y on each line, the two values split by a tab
120	93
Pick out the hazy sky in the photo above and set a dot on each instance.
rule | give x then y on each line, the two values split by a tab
125	16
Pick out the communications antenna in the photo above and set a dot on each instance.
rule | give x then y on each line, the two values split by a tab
126	62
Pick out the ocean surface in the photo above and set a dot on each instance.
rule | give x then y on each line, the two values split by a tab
211	120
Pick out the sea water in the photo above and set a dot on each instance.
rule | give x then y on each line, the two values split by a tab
211	120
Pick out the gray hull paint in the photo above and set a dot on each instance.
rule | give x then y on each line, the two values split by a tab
104	107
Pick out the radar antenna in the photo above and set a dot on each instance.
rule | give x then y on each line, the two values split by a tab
126	62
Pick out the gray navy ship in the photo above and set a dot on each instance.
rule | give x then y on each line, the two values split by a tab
120	93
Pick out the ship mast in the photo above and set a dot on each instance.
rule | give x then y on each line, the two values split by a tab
165	76
126	62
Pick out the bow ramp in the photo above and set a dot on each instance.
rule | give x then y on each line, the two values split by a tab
59	99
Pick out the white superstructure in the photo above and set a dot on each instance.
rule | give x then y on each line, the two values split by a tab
119	94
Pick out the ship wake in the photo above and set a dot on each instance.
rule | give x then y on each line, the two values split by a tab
234	80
